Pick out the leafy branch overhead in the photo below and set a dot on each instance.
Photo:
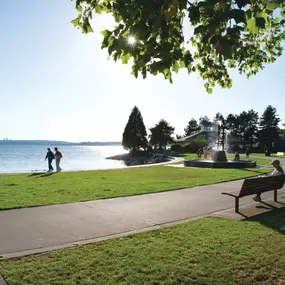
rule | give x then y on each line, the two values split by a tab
242	34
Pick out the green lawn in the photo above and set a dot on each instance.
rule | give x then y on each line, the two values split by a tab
273	155
211	251
24	190
259	160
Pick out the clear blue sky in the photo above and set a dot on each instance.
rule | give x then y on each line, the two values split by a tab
56	83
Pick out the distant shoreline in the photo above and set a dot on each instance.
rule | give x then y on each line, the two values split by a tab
61	143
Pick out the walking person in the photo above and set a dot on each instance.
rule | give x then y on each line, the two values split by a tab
49	157
58	157
277	170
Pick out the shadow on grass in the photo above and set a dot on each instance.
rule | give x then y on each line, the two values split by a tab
41	174
274	219
36	174
46	174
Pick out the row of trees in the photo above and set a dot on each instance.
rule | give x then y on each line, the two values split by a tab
135	135
247	126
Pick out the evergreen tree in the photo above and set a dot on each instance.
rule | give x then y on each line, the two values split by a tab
161	134
135	136
192	127
218	117
268	125
232	124
205	123
249	125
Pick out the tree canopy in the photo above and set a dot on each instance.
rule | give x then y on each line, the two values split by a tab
192	127
161	134
204	36
269	129
205	123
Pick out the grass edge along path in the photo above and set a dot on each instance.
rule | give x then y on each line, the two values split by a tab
211	251
259	160
28	190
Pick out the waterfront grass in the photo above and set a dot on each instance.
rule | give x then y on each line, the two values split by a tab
210	251
26	190
259	160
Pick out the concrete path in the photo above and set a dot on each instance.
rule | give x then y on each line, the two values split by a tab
31	230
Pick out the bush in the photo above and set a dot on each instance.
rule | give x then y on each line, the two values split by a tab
177	147
191	147
139	153
200	141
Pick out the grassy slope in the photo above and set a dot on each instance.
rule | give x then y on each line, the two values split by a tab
210	251
23	190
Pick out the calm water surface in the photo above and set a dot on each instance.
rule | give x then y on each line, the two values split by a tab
27	158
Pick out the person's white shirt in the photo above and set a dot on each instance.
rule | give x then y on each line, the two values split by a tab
276	172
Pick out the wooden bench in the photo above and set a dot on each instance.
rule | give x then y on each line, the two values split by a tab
257	185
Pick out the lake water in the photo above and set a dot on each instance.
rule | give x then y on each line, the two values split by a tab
27	158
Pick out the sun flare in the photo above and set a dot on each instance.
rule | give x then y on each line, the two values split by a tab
132	40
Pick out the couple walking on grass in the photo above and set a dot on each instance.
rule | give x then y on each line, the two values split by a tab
50	156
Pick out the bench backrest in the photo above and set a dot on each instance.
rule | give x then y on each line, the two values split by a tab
261	184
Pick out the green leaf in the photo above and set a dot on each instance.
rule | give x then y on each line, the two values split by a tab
238	15
272	5
227	48
182	63
98	9
167	74
200	30
75	22
175	67
251	26
79	8
260	23
194	14
262	15
125	58
89	29
144	72
106	33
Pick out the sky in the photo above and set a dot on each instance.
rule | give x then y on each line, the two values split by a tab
57	84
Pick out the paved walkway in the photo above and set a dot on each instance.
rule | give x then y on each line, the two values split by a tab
31	230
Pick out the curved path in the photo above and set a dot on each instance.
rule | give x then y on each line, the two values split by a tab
33	230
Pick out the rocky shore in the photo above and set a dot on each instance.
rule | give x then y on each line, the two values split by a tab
131	160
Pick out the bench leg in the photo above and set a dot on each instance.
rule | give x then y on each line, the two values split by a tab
275	195
237	204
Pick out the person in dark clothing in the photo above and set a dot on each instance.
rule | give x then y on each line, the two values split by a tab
199	152
247	153
49	157
237	157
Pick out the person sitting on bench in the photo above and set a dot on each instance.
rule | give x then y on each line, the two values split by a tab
277	170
